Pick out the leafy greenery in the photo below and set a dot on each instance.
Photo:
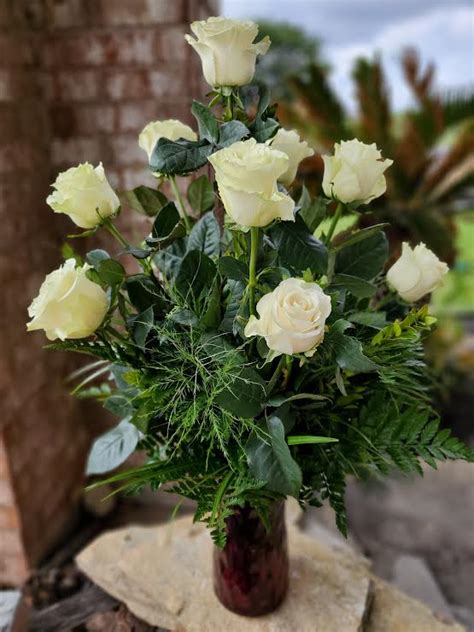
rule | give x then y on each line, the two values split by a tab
220	419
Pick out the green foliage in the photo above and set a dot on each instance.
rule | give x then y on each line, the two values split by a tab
213	411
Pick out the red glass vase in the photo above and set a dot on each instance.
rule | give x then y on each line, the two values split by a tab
251	571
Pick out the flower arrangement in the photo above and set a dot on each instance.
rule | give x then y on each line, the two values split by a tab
248	359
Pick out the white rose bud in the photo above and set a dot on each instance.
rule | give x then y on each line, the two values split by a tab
69	305
226	49
289	142
172	129
355	172
246	175
292	317
417	272
84	193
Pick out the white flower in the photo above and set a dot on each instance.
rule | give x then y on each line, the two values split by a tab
68	305
417	272
289	142
226	49
292	317
246	175
355	172
172	129
83	193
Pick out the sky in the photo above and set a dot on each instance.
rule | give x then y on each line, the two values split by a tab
442	30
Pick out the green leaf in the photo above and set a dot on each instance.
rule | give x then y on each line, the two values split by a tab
196	273
376	320
232	132
363	259
141	325
112	448
208	126
263	130
232	268
270	460
357	287
111	272
184	317
94	257
235	291
211	316
205	236
146	200
167	227
143	292
360	235
201	195
245	395
263	101
169	259
179	157
308	439
312	211
297	248
349	354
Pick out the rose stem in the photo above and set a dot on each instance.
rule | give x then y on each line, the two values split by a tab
335	219
252	268
276	374
180	203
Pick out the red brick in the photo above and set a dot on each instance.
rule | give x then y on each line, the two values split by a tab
171	43
13	568
67	13
73	85
139	12
70	152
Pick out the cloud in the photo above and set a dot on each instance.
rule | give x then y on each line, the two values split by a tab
444	35
442	31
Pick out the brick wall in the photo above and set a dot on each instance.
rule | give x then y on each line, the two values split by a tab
78	80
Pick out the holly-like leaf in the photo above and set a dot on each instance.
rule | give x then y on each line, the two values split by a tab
205	236
270	459
179	157
141	325
245	395
357	287
201	195
232	268
363	259
232	132
207	122
167	227
313	211
196	273
297	249
146	200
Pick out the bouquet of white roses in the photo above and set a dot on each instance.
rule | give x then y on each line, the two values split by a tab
248	359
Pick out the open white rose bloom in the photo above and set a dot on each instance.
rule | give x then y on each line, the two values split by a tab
416	273
355	173
251	348
291	318
84	194
172	129
68	305
226	49
247	173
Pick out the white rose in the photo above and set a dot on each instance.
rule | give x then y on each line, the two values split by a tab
292	317
417	272
226	50
172	129
82	192
68	305
246	175
289	142
355	172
